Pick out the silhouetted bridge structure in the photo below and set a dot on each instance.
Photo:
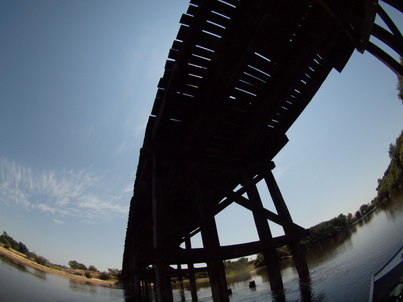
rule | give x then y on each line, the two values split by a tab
238	75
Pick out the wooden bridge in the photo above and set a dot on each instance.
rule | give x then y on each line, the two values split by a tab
238	75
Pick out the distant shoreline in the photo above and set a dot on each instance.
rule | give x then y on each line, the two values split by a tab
21	259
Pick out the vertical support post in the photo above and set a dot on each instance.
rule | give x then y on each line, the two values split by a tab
263	230
162	276
146	289
136	271
216	271
218	281
163	282
130	275
134	275
136	285
281	208
191	269
180	280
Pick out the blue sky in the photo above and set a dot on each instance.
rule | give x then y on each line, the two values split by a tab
77	83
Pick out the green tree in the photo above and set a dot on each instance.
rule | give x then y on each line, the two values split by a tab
364	209
104	276
259	261
349	218
4	237
8	241
392	179
76	265
92	268
400	84
41	260
22	248
114	272
32	256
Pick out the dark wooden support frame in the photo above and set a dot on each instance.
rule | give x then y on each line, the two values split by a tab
211	243
164	254
227	98
364	27
191	273
289	229
392	39
263	229
160	227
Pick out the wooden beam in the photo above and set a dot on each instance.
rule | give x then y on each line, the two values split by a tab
200	255
389	61
163	280
281	207
211	242
263	230
191	272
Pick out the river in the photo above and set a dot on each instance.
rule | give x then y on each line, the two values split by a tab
340	270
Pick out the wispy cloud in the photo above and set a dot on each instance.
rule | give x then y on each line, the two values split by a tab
128	189
57	221
120	149
68	193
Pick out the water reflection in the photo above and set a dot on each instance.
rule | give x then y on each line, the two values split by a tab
325	250
392	209
39	274
341	267
305	294
85	287
340	270
21	267
243	276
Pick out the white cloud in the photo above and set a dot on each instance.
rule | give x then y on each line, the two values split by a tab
120	149
57	221
68	193
128	189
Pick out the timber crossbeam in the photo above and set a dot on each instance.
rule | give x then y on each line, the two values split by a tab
200	255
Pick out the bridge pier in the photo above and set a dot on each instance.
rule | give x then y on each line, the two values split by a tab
163	282
163	252
263	230
211	243
191	274
163	286
136	285
297	251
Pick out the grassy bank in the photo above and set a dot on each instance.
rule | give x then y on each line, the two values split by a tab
76	275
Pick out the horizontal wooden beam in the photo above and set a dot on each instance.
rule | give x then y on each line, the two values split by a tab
201	255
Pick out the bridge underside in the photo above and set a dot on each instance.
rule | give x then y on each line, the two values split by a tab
238	75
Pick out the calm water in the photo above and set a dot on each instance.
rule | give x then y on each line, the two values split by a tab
341	270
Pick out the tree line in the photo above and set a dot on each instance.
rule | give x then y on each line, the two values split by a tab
9	243
90	270
392	180
389	184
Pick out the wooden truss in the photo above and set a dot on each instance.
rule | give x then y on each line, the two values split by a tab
153	264
238	75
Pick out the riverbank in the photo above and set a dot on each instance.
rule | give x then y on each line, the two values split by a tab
67	273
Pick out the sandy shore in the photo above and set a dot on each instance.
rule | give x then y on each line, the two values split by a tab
21	258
